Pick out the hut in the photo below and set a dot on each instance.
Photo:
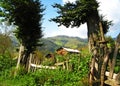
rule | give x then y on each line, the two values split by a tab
64	51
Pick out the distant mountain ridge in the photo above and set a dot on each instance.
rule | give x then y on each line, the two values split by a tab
66	41
50	44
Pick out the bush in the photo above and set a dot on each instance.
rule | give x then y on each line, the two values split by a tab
49	77
6	62
55	77
117	69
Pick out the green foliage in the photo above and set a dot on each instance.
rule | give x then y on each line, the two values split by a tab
47	77
6	62
48	61
80	64
111	42
80	12
6	66
44	78
105	24
62	77
23	80
75	14
117	69
60	58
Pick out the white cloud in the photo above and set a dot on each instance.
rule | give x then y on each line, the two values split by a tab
109	8
64	1
76	32
79	32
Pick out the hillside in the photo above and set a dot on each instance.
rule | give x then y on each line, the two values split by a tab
66	41
50	44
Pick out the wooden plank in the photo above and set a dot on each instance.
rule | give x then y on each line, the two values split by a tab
113	81
41	66
114	75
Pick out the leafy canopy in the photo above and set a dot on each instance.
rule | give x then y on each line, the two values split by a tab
75	14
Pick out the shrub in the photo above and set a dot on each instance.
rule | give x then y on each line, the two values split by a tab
6	62
49	77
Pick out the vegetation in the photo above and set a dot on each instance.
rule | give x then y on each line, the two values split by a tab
48	77
70	69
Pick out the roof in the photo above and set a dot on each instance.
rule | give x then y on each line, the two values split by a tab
70	50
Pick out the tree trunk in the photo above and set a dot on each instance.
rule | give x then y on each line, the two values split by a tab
98	47
24	62
93	38
23	59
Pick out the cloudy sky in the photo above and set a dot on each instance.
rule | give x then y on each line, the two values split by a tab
109	8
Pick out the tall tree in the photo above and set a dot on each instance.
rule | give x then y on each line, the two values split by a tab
27	16
80	12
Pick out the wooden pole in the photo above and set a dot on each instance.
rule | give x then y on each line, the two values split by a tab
21	50
105	54
29	64
114	56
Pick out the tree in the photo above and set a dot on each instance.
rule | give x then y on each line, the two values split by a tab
5	39
86	11
83	11
5	44
27	16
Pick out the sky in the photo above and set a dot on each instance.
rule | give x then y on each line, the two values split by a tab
109	8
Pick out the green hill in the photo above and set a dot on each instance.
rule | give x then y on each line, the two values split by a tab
50	44
66	41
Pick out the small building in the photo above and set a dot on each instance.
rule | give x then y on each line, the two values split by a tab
49	60
64	51
49	56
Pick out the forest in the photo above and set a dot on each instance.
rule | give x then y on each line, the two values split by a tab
28	59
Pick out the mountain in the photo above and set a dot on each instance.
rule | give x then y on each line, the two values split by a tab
66	41
50	44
